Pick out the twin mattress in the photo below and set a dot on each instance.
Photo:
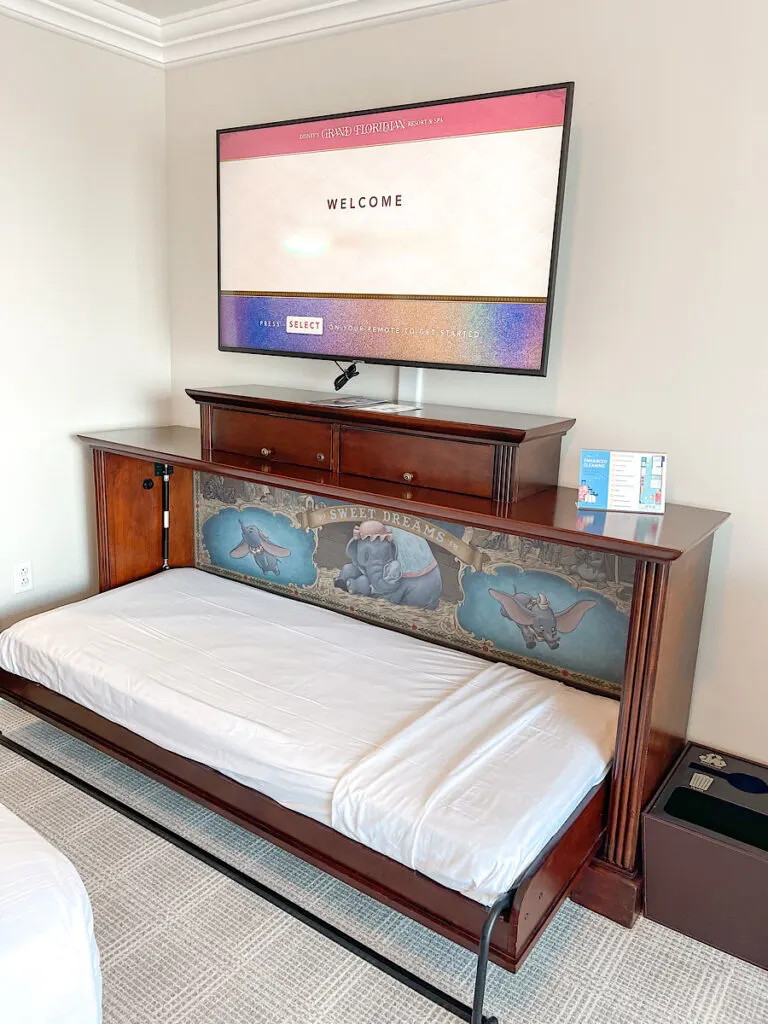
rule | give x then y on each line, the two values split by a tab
49	963
454	766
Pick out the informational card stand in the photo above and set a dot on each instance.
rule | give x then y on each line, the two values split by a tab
622	481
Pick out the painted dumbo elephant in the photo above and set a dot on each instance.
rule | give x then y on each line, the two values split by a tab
535	618
392	564
265	554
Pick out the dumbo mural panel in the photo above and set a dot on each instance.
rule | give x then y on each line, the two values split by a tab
255	544
546	607
391	563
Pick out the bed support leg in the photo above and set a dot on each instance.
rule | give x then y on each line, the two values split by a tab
502	904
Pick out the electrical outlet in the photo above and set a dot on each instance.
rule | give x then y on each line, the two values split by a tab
22	578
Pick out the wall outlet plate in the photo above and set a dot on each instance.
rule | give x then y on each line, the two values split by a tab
22	578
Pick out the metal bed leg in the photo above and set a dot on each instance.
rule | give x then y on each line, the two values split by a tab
502	904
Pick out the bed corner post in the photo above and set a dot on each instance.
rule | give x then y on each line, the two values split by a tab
627	798
665	624
612	885
102	521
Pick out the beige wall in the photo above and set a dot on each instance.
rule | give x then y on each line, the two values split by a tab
660	321
84	318
660	283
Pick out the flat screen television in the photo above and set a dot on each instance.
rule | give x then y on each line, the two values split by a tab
421	235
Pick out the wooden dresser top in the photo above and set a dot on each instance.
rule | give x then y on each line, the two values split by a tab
446	419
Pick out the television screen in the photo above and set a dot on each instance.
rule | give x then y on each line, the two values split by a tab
421	235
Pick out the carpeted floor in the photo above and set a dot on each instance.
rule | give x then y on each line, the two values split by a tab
181	944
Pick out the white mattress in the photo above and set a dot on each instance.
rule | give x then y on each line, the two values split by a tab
49	963
457	767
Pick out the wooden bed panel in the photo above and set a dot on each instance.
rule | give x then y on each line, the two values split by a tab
130	516
536	904
461	587
442	910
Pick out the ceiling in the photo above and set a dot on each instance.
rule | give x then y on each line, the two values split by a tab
172	32
172	8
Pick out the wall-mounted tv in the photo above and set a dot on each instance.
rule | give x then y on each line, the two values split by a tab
420	235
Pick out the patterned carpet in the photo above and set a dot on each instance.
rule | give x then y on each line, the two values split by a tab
181	944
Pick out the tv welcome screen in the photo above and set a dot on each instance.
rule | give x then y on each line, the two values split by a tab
421	235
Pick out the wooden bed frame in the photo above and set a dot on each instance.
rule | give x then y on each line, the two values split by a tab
445	911
594	858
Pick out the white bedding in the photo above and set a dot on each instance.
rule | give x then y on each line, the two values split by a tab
473	791
49	963
459	768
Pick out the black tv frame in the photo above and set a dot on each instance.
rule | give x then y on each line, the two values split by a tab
554	253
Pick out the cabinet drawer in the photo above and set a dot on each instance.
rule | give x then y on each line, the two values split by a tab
276	438
458	466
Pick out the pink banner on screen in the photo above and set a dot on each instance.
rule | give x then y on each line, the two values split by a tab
444	120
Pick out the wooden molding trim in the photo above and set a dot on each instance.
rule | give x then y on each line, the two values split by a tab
206	427
102	520
635	715
607	890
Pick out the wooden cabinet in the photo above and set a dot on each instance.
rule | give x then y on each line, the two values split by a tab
298	442
501	456
129	509
460	466
459	452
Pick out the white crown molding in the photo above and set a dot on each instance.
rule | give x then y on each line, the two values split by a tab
104	24
218	30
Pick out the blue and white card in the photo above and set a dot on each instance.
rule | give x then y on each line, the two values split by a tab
622	481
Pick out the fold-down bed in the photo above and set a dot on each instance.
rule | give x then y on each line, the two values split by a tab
467	794
461	769
431	779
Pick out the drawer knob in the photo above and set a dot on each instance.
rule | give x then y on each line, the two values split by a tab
407	477
266	452
320	457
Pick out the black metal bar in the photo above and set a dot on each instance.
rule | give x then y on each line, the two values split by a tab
502	904
163	470
329	931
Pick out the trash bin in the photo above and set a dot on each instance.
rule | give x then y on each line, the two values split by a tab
705	852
